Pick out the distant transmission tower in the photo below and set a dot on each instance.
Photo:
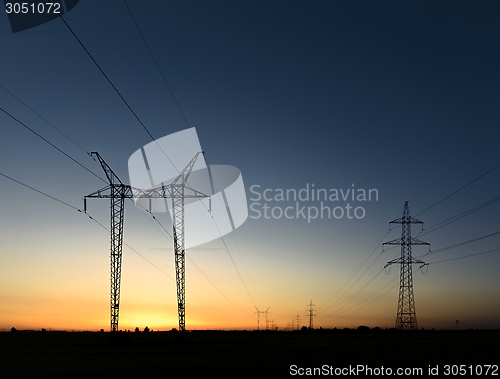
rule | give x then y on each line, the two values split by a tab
258	318
298	321
311	314
406	317
267	320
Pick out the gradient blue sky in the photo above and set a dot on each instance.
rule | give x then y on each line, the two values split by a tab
386	95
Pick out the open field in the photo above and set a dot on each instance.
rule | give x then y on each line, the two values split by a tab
230	354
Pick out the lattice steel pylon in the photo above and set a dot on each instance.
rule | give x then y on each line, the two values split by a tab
117	192
311	314
258	317
177	190
267	320
406	318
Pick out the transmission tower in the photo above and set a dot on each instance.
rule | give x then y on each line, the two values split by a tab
117	192
298	321
267	321
273	325
311	311
406	317
258	317
177	190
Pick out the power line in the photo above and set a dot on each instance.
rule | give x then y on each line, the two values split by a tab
456	167
116	90
246	268
458	244
465	256
44	119
357	310
356	271
352	297
234	264
50	143
224	242
450	220
206	277
461	188
107	78
359	267
157	65
41	192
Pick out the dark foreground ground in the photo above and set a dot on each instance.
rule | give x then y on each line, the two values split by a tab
212	354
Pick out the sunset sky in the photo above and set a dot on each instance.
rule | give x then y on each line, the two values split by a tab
398	97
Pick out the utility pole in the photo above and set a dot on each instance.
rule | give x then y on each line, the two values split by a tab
298	321
406	316
177	190
311	314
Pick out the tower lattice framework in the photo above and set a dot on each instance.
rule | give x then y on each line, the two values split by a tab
406	316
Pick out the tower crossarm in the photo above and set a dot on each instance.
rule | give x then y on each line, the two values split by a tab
112	191
183	176
128	192
399	261
403	241
407	219
111	176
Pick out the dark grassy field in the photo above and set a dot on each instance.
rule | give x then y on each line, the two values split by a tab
233	354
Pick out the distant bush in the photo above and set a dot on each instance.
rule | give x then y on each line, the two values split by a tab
13	329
